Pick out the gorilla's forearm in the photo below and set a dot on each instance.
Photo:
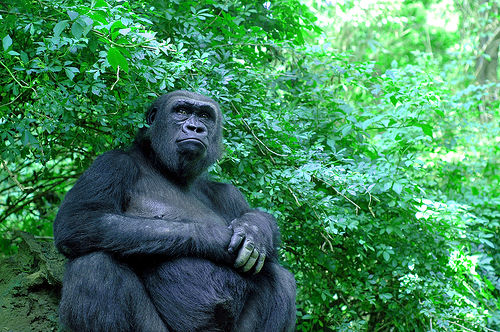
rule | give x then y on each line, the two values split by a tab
135	236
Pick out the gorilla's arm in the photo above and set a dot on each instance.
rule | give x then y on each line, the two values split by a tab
91	218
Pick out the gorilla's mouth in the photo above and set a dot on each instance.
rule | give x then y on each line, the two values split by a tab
192	140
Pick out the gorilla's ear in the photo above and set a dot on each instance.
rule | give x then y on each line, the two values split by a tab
151	115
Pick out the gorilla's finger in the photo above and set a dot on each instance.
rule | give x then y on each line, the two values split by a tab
236	240
251	261
260	263
244	254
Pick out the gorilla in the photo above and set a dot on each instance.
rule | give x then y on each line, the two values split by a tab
153	245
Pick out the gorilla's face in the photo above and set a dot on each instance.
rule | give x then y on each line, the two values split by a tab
185	132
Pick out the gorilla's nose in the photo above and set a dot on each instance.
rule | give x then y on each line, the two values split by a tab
196	129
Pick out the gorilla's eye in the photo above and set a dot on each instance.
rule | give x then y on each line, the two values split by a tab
181	111
205	115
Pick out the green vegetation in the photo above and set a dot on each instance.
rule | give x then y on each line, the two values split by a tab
368	128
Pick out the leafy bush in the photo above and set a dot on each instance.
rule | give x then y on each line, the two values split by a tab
383	182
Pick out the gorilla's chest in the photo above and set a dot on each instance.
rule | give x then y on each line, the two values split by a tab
155	197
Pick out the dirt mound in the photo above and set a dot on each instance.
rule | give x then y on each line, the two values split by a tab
30	283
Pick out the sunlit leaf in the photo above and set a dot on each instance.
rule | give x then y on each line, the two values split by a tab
77	29
397	187
72	14
116	59
6	42
59	27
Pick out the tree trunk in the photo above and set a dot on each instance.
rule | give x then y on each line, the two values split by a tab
487	60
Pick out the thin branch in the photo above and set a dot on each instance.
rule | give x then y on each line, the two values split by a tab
12	176
14	77
250	44
255	136
467	329
391	127
328	241
117	78
293	194
13	100
339	193
44	237
15	207
141	44
215	19
9	12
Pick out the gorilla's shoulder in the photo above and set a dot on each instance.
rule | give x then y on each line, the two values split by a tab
111	166
114	157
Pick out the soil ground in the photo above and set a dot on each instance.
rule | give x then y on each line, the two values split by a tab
30	283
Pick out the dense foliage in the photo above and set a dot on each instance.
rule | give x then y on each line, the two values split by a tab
369	140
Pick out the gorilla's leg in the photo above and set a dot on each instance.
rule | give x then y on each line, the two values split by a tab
194	294
271	306
101	294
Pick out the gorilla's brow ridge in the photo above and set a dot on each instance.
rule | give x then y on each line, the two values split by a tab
201	105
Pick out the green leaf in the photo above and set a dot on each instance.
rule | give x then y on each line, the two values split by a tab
72	14
69	73
474	191
87	23
116	59
427	129
117	25
397	187
487	242
28	138
60	26
100	3
394	100
124	31
7	42
346	130
24	57
386	255
97	16
77	30
331	143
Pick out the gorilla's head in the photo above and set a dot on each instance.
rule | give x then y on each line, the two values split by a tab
185	133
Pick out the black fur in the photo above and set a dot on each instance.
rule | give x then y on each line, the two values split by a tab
148	237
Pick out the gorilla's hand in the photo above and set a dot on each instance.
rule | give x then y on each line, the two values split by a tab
250	241
210	240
